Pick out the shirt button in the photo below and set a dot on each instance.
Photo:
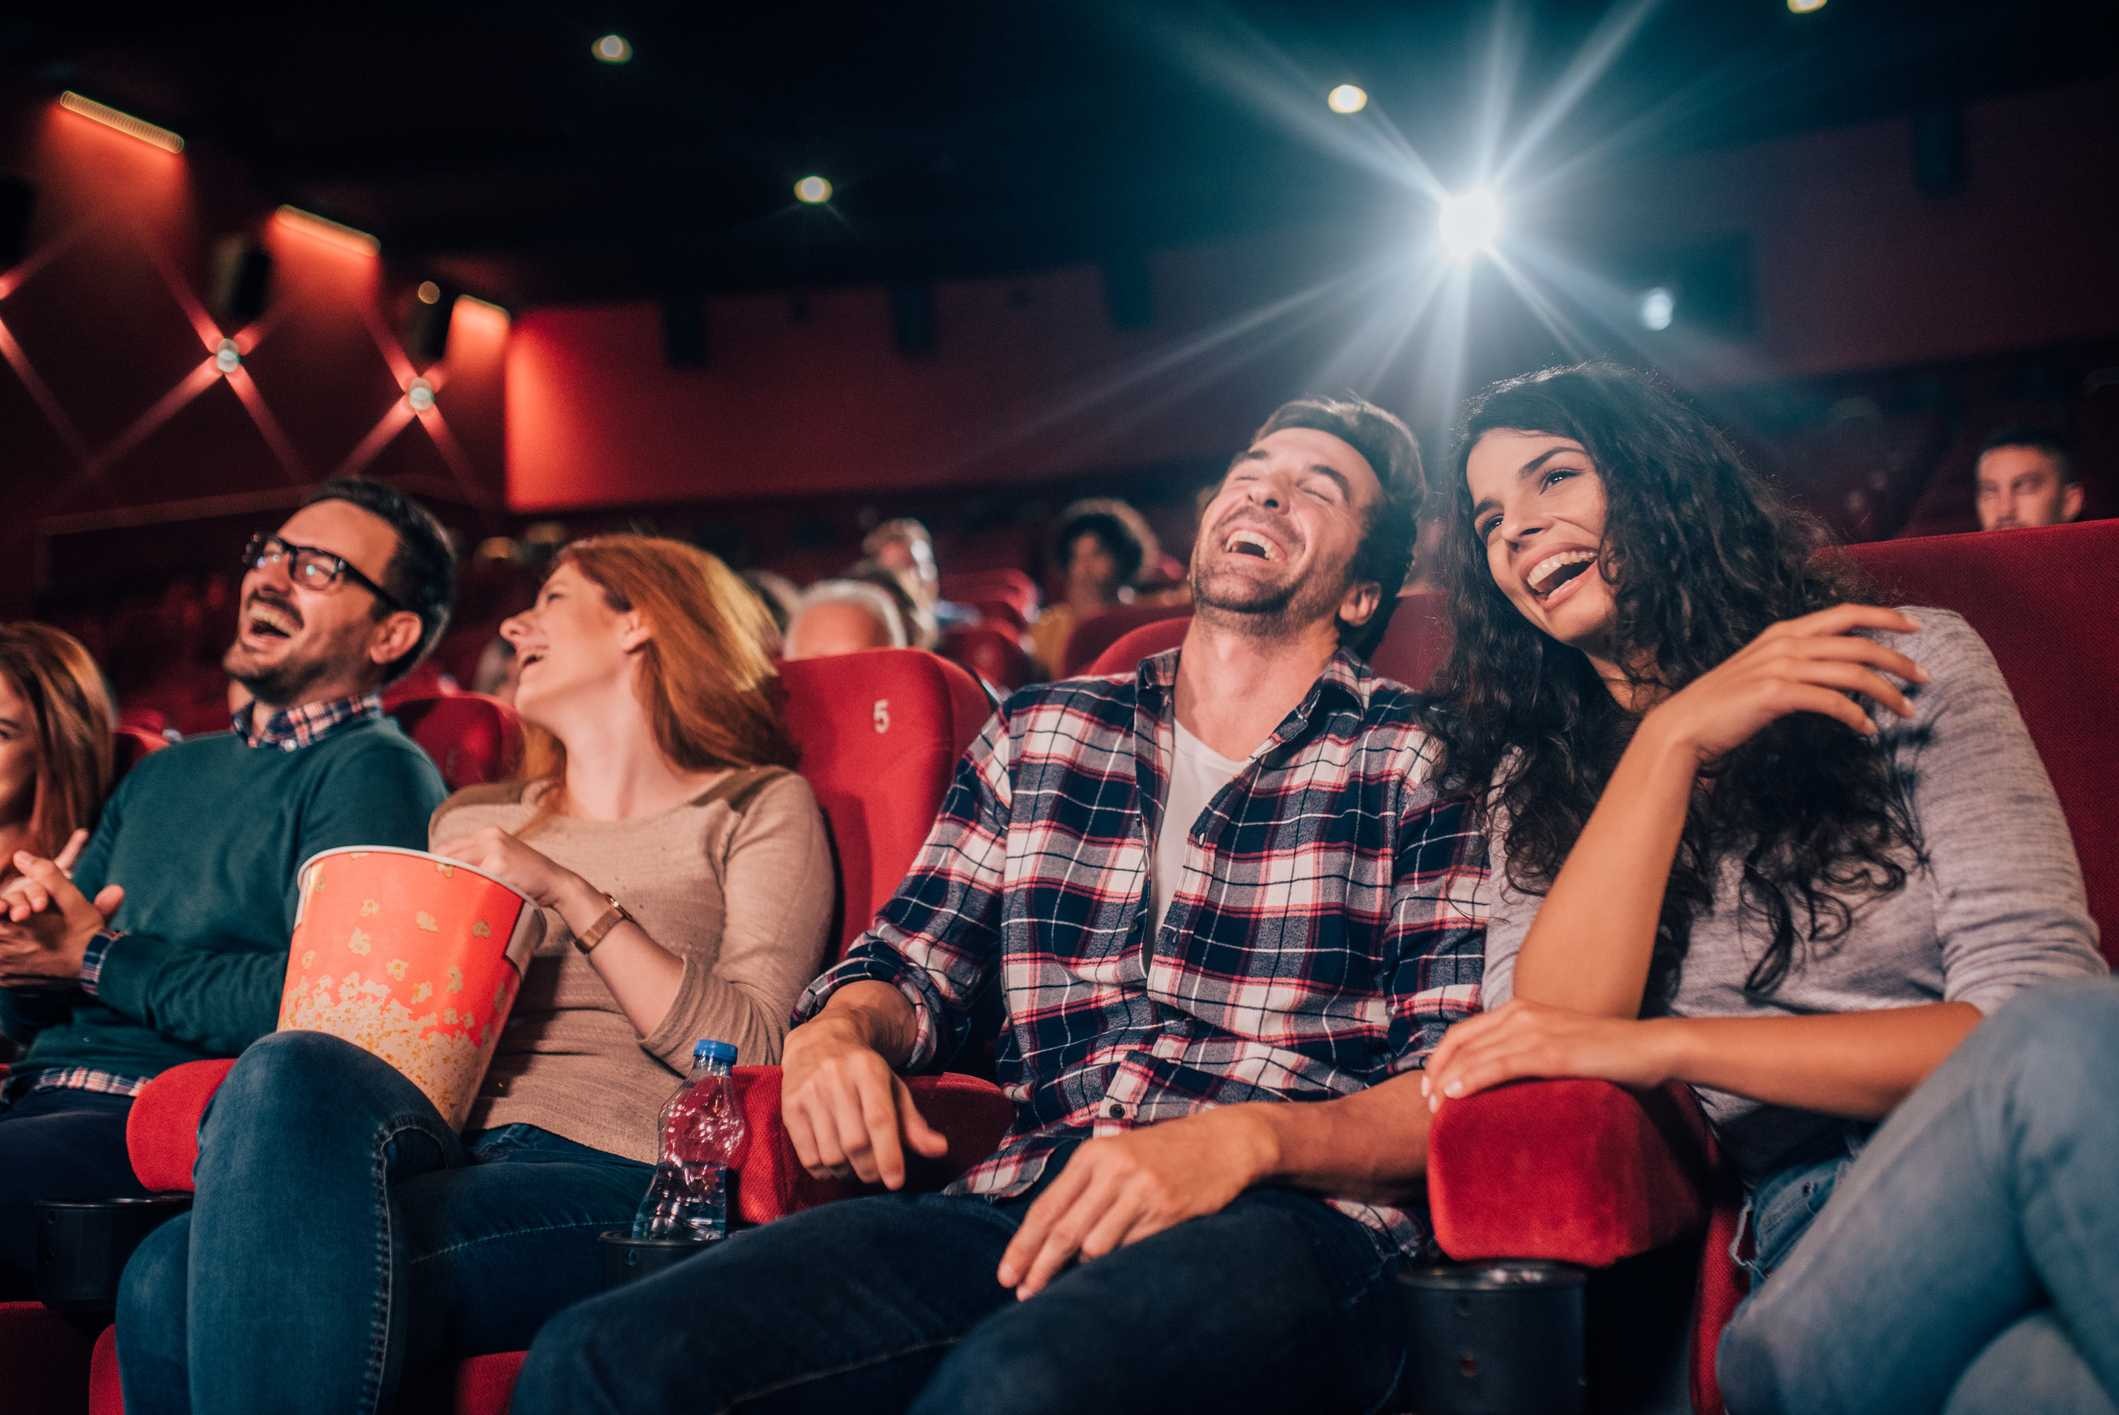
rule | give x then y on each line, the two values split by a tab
1115	1111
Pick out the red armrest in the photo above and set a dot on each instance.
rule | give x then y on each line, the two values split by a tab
162	1132
162	1135
1574	1171
771	1183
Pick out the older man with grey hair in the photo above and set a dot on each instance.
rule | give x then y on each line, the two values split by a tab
844	616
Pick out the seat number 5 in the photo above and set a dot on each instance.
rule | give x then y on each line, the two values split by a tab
882	715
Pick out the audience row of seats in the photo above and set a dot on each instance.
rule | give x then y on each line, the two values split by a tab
1573	1171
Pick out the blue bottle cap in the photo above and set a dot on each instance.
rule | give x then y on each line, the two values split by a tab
707	1049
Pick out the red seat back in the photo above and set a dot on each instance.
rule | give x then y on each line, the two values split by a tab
880	733
971	586
992	653
472	739
2042	599
1413	647
1092	636
129	746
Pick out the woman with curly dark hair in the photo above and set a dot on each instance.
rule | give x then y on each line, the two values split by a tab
1752	834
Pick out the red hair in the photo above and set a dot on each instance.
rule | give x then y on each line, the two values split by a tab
74	723
708	683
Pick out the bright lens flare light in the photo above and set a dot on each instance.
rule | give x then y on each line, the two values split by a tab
1658	307
612	49
813	191
1805	7
227	358
420	395
1347	99
1470	223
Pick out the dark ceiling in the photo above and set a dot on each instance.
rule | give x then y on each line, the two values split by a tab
970	137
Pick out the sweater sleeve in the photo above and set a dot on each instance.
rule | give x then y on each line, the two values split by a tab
220	995
778	888
2010	905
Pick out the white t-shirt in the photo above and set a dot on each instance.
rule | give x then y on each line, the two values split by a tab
1196	776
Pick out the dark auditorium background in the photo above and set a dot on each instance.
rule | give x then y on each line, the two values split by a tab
1071	249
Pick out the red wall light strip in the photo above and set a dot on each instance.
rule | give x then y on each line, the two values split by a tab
325	229
121	122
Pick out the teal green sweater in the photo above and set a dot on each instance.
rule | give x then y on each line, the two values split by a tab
206	837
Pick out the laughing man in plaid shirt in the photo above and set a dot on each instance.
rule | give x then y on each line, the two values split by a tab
1205	890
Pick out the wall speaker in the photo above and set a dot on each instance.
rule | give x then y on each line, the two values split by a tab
1938	151
912	319
427	328
684	338
241	282
18	198
1129	292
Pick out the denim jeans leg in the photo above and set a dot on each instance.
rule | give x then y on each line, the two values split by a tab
494	1249
292	1296
153	1320
844	1307
1277	1302
2032	1366
1985	1197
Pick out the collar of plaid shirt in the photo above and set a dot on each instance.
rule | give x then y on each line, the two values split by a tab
1329	925
304	724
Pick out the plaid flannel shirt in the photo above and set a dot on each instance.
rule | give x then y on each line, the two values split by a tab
305	724
1328	928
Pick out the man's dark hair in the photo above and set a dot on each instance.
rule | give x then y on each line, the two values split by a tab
1385	554
1123	532
421	575
2043	439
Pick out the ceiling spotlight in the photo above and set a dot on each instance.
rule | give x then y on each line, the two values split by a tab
1805	7
1657	308
612	49
1470	223
429	293
228	358
420	395
813	190
1347	98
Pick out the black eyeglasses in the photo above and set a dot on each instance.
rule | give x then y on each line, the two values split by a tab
311	568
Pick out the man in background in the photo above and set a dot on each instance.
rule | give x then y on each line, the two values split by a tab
2026	477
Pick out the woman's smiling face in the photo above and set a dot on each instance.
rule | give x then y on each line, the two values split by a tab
1538	508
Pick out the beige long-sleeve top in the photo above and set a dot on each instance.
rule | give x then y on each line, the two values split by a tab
737	882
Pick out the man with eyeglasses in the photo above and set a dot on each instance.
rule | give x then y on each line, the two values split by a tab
169	942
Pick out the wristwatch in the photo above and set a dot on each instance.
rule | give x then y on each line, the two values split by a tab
609	919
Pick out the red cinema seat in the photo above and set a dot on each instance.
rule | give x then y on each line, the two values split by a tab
472	739
1092	636
879	734
990	652
974	586
1590	1173
1413	647
131	746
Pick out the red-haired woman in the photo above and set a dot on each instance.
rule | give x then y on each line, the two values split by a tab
56	725
348	1231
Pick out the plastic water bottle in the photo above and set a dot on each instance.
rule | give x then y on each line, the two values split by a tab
702	1130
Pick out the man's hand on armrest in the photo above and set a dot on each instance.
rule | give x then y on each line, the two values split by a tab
847	1112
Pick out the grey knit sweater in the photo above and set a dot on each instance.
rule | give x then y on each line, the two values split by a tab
1998	907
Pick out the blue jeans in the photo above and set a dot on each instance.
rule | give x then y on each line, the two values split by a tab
1968	1260
889	1303
343	1232
56	1144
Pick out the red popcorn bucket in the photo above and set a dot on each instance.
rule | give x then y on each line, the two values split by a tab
412	958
